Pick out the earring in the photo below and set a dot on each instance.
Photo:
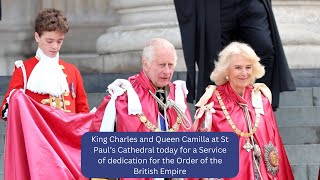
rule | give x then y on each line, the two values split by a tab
227	78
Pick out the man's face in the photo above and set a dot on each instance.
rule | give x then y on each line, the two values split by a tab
50	42
161	69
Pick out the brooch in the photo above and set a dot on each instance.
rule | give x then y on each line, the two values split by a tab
271	158
73	92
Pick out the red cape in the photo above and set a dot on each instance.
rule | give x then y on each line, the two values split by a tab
131	123
267	132
42	142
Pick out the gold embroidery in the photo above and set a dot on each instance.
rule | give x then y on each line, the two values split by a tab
57	102
45	101
153	128
67	103
273	158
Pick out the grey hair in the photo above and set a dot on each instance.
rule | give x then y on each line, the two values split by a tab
157	43
219	74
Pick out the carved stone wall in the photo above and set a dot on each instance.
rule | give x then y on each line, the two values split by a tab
120	47
299	26
108	35
88	19
15	31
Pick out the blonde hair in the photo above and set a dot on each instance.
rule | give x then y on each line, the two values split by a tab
153	45
219	74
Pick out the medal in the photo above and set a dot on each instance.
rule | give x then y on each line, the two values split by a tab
247	146
73	93
271	158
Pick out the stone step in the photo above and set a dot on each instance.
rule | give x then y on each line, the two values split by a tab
304	160
298	116
2	135
303	154
84	61
1	166
299	125
300	97
300	135
2	140
305	171
303	96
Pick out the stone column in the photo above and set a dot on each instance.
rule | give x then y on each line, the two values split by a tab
139	20
298	23
87	19
299	26
15	32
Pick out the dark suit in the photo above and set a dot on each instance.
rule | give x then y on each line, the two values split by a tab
208	25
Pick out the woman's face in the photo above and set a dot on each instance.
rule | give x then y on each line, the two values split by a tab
240	72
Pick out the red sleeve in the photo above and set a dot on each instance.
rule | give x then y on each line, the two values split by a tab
81	99
15	83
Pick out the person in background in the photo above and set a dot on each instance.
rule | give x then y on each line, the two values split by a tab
238	104
47	78
148	101
208	26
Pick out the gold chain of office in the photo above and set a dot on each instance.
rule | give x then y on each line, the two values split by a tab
231	123
153	128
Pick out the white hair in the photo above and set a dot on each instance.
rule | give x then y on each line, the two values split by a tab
153	45
236	48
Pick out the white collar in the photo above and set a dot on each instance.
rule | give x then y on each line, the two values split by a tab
47	76
41	56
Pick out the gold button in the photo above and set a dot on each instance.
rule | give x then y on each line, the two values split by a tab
67	103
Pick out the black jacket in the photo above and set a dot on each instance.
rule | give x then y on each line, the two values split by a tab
199	22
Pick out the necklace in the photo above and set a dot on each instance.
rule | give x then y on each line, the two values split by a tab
153	128
231	123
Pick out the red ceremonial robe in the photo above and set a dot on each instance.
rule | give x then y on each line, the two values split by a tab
131	123
79	103
42	142
267	131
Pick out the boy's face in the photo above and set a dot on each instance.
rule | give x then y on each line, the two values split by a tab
50	42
